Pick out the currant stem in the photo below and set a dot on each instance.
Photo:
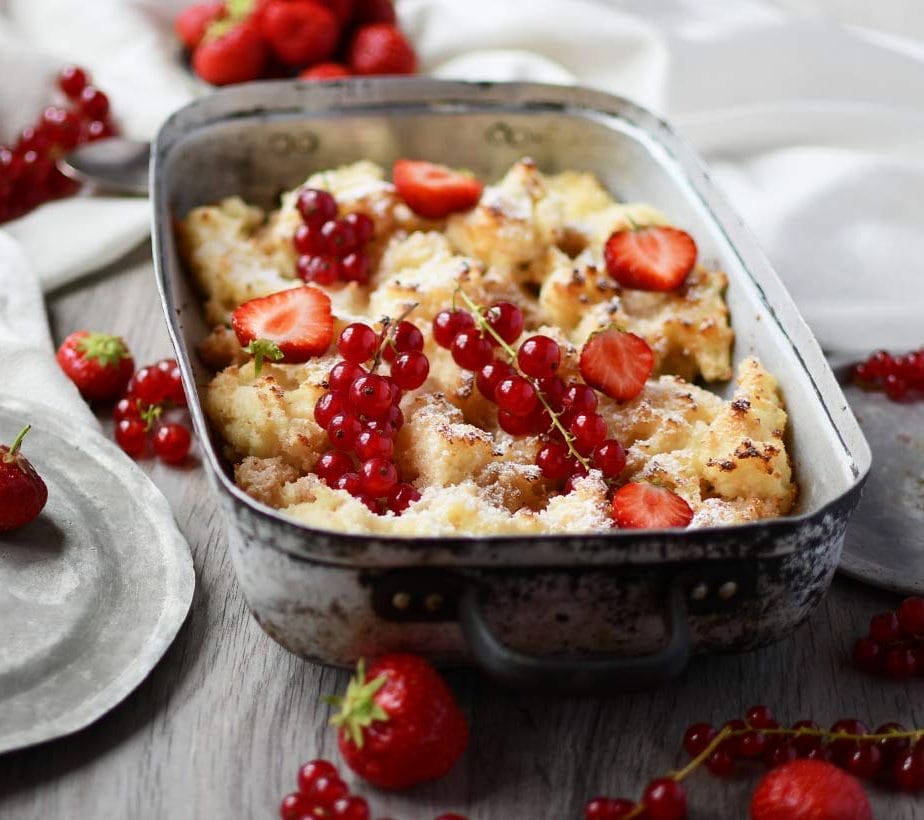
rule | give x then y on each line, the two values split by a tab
388	324
478	312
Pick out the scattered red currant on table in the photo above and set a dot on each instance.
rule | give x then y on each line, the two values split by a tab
894	647
29	175
361	412
900	377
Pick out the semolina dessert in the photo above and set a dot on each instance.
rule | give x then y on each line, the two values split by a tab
431	356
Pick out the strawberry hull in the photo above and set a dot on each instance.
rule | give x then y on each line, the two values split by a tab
615	610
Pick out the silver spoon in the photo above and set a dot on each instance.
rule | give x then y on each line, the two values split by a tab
114	165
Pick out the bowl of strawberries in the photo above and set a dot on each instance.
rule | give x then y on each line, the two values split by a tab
236	41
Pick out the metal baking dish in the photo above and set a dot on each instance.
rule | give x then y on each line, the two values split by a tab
616	609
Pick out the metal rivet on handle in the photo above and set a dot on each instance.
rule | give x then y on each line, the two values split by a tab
728	590
433	602
699	592
401	600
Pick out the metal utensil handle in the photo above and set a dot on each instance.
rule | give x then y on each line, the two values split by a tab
577	674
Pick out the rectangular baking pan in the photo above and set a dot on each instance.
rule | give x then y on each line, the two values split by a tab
613	609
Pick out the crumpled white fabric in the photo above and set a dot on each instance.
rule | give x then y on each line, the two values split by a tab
815	130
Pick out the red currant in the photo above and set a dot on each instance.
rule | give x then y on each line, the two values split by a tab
447	324
506	320
606	808
752	744
720	763
908	771
892	748
410	370
342	375
333	464
553	388
362	225
589	430
401	497
72	80
150	385
320	270
513	424
580	398
697	737
899	662
539	357
327	407
94	103
351	808
174	379
864	761
342	430
326	790
316	206
370	395
172	442
374	444
896	388
760	717
294	806
351	483
131	435
357	343
308	241
408	338
665	799
555	460
354	267
470	350
378	477
516	395
884	627
491	375
609	458
339	237
390	423
126	408
779	754
911	616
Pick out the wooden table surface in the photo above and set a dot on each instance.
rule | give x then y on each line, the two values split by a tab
220	727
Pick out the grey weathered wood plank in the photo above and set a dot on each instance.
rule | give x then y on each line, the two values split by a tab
221	725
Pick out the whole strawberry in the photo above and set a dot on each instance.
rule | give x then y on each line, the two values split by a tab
809	790
230	51
400	725
381	48
22	492
299	32
100	365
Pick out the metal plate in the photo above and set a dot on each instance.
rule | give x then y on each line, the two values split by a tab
91	593
884	545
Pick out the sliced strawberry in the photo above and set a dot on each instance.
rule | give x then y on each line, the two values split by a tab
649	507
653	258
434	191
298	321
616	363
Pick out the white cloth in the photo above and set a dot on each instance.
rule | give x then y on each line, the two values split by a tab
814	130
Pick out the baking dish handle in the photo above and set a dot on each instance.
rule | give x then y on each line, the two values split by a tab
577	674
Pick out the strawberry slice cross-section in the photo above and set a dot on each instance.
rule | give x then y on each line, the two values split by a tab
616	363
290	325
434	191
656	257
643	506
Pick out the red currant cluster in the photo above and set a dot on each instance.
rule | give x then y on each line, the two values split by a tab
28	174
892	755
322	795
330	248
531	398
360	412
894	646
897	376
151	392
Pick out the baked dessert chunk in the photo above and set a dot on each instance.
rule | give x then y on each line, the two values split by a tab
558	250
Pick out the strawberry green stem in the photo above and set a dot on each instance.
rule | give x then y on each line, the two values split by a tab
17	443
358	709
262	349
478	312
